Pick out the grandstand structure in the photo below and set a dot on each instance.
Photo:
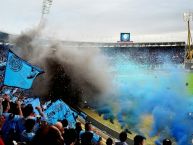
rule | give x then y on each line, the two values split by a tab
124	44
139	52
150	53
142	53
4	37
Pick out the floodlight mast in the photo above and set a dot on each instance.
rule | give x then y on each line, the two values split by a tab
46	7
188	18
45	10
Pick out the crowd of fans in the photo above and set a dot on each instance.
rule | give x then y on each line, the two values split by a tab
19	125
138	140
149	56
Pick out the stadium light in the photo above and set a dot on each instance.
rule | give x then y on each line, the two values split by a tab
45	10
188	16
46	6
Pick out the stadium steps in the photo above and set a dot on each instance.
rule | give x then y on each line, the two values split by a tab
105	129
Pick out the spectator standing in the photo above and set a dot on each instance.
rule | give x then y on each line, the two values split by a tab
139	140
28	134
78	130
109	141
88	136
122	138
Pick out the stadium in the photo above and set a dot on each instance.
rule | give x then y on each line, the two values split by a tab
94	93
133	66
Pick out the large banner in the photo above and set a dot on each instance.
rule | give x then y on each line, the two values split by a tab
59	111
19	73
13	92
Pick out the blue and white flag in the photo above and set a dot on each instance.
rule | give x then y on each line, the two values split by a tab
19	73
34	102
59	111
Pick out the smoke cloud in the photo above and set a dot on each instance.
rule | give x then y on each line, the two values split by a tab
74	74
122	90
160	93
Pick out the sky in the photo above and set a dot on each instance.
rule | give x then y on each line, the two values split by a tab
100	20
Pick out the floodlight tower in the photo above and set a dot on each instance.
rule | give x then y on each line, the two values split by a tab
189	51
45	10
46	7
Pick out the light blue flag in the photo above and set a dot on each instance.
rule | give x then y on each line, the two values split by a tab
19	73
34	102
59	111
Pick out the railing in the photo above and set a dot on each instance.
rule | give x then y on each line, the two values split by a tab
123	44
113	45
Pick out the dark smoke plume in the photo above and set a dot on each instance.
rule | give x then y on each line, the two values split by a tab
74	74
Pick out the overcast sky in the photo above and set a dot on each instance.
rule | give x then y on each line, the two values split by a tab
100	20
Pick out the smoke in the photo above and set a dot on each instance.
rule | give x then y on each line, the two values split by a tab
78	74
75	74
160	93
